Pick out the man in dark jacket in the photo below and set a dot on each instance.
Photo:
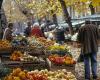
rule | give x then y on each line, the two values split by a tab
89	36
59	35
28	30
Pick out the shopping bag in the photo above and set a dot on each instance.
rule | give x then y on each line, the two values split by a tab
80	58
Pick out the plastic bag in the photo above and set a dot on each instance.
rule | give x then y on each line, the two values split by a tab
80	58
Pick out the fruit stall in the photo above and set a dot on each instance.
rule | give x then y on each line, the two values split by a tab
24	61
61	58
23	55
5	46
28	54
19	74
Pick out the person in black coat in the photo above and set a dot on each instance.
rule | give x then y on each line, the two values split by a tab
59	35
88	37
27	31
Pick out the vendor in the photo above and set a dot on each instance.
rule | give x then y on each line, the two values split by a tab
8	32
27	31
36	31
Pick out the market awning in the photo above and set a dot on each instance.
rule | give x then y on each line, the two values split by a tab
95	17
74	23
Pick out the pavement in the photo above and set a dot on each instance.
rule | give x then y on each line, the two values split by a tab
79	68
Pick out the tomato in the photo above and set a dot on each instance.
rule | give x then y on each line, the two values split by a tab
59	60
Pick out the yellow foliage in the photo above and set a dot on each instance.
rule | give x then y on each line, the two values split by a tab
84	0
96	3
57	48
42	8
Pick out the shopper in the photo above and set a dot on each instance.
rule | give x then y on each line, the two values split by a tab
43	26
88	36
36	31
8	32
27	31
59	35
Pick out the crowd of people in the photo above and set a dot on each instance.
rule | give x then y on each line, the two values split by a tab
52	33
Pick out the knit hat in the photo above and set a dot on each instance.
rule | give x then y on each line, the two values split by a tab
35	24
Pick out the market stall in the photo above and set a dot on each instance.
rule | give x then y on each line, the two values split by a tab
31	53
18	74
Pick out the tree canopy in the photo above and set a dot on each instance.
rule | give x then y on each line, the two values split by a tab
42	7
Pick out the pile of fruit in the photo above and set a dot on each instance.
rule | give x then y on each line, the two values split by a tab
16	55
34	43
45	42
39	42
51	75
29	58
61	59
18	74
26	57
59	48
4	44
19	56
36	75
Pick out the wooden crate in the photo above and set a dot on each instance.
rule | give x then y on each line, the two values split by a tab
5	50
70	68
24	64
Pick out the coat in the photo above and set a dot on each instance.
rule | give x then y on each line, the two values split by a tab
7	34
88	36
59	35
27	31
37	32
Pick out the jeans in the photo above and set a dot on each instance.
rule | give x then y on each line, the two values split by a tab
93	58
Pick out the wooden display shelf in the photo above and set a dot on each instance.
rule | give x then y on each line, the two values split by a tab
5	60
70	68
31	51
5	50
23	65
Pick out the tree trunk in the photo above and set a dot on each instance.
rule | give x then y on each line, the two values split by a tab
1	3
54	18
0	7
66	15
0	19
92	9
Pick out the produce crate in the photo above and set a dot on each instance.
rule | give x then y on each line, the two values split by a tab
33	66
29	65
37	52
32	51
9	63
12	64
20	48
5	50
70	68
24	65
